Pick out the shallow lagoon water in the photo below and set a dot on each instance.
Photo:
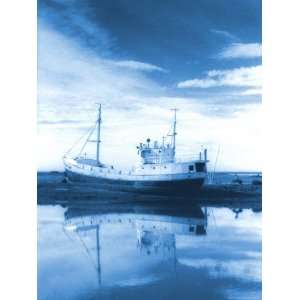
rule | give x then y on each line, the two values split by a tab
151	250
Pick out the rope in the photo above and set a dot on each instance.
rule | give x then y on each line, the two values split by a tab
213	175
67	235
87	139
87	251
85	133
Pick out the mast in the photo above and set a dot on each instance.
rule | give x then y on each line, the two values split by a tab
174	130
98	134
84	228
98	255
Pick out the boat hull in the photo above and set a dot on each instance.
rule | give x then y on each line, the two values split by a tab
174	187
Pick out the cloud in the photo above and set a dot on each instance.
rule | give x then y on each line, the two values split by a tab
71	79
239	77
251	92
68	72
73	19
224	34
248	269
137	65
239	50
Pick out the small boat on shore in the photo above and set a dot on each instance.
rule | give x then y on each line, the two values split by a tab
158	170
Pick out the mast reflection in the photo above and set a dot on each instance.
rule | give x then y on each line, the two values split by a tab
154	229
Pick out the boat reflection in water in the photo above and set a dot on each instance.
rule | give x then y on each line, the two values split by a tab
151	232
149	250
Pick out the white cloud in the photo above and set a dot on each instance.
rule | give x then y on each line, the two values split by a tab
248	269
139	66
239	77
76	22
68	72
251	92
72	79
240	50
223	33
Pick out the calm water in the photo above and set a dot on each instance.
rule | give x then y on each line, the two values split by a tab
149	251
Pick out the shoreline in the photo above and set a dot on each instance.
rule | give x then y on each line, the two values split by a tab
53	189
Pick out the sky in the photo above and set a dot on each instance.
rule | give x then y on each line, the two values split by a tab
142	58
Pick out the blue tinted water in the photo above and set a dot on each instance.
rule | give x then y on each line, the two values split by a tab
146	251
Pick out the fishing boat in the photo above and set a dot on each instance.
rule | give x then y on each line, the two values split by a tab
158	170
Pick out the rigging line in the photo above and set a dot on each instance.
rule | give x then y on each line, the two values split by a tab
85	133
217	229
213	177
88	138
213	217
87	251
169	131
67	235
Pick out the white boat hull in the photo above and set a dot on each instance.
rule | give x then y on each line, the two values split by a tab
171	178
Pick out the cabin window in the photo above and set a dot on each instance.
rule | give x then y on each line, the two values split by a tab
200	167
153	167
191	168
191	229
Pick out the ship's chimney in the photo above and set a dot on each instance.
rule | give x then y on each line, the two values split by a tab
205	154
200	156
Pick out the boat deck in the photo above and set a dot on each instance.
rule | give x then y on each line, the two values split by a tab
89	161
